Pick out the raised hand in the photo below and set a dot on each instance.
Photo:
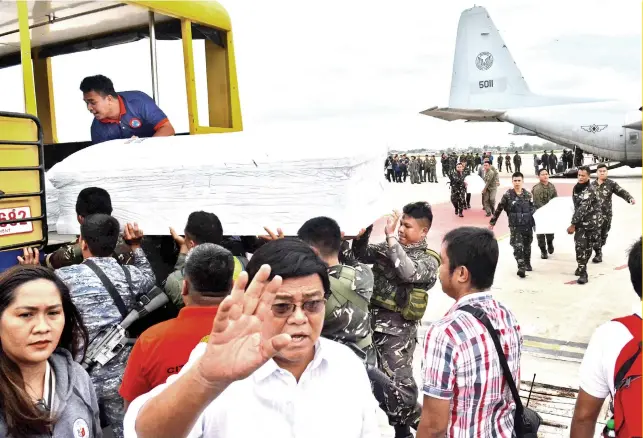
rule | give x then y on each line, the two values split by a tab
132	235
271	235
30	256
392	222
236	347
180	241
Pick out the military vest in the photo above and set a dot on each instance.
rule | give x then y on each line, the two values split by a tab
415	305
519	211
342	294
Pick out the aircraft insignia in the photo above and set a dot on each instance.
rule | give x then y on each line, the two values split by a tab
593	128
484	61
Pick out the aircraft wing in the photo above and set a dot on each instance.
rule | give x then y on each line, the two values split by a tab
473	115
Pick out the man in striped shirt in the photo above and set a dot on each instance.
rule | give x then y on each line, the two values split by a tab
465	393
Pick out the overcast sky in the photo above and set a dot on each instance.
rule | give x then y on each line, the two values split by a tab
373	64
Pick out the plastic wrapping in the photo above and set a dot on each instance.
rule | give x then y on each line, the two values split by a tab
247	180
555	216
475	184
53	210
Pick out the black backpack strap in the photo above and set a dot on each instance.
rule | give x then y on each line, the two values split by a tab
118	301
128	278
482	317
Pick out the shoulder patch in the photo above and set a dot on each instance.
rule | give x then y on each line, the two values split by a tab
205	339
81	429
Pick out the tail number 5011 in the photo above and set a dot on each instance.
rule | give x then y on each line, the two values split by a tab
486	84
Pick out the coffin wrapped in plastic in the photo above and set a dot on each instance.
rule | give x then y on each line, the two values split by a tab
52	205
249	180
555	216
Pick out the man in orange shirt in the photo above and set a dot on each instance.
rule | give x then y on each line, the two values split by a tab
163	349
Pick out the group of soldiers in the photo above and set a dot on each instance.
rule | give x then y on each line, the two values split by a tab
554	165
507	160
419	169
590	223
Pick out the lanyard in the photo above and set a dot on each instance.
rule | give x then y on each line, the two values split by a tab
47	401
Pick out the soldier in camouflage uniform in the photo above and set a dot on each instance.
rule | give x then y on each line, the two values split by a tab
518	204
470	162
99	234
444	160
425	168
490	177
347	318
431	168
414	170
403	271
604	189
543	192
586	222
91	200
201	227
458	189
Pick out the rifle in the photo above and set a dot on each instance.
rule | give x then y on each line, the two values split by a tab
110	341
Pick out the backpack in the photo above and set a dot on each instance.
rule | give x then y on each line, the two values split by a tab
626	403
342	291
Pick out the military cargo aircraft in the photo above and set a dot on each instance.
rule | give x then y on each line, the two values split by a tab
487	86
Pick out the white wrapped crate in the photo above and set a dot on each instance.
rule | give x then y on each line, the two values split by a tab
249	180
53	209
555	216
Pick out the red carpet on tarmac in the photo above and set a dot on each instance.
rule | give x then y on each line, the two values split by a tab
445	219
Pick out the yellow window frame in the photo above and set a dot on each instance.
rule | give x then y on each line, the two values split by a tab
223	90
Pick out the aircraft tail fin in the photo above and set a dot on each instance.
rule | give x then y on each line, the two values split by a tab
485	75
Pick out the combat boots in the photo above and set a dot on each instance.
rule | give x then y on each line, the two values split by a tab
599	256
551	247
582	279
521	272
402	431
528	267
543	253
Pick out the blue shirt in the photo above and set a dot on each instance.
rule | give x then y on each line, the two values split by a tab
139	116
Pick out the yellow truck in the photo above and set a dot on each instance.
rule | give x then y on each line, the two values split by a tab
32	33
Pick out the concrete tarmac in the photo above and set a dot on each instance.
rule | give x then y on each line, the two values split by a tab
557	315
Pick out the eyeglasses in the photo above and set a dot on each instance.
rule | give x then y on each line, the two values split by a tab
283	310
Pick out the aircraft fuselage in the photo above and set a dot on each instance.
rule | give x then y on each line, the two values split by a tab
596	128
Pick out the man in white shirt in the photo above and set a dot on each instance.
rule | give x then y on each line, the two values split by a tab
264	370
598	367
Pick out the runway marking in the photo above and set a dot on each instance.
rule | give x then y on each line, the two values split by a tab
618	268
554	348
555	341
572	282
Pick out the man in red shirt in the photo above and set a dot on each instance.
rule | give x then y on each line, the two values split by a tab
163	349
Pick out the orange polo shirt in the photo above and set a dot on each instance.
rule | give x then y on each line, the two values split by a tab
164	348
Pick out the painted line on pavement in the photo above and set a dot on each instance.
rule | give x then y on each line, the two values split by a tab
555	341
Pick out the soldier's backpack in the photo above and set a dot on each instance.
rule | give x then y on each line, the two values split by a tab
342	292
626	403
